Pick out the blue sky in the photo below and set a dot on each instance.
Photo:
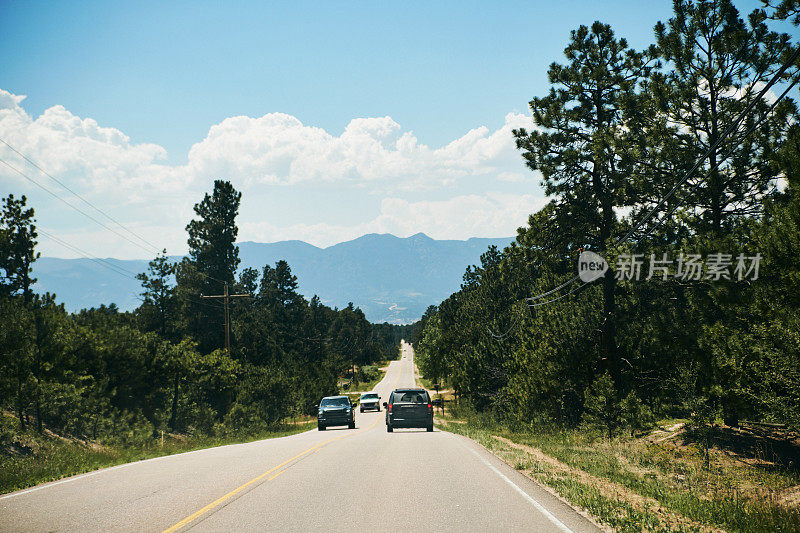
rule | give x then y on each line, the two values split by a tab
117	94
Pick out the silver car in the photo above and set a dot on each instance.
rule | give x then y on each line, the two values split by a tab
370	401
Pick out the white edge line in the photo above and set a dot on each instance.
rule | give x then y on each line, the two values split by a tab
539	507
76	477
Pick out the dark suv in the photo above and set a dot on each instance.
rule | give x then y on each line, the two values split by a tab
409	408
336	411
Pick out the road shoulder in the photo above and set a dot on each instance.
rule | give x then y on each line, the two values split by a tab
576	519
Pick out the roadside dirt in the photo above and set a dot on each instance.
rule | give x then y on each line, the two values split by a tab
609	488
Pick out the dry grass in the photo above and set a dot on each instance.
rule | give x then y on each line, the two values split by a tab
659	481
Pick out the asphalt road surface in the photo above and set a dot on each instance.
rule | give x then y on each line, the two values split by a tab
360	480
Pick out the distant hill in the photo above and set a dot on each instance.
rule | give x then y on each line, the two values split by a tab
391	279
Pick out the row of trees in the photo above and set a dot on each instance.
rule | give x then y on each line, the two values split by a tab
617	131
108	374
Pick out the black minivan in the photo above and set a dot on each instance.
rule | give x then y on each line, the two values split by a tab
409	408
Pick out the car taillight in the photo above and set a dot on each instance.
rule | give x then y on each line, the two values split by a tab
390	408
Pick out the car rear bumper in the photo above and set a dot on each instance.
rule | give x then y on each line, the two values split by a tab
367	406
410	422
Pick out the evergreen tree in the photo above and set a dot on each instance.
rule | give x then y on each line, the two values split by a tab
158	297
212	263
784	9
585	149
719	63
212	237
17	247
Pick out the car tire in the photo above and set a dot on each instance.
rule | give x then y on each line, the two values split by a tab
320	427
352	425
388	428
430	427
362	409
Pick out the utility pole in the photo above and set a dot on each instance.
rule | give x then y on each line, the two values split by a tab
225	297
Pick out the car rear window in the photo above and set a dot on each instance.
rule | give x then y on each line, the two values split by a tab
368	396
410	397
329	402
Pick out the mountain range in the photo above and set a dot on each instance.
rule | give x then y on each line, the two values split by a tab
391	279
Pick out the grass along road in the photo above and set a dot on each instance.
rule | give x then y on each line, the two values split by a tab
27	458
657	482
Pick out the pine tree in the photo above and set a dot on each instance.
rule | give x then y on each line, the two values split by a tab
212	262
17	247
719	63
212	237
585	148
158	296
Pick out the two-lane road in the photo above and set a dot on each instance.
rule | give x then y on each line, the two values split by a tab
363	480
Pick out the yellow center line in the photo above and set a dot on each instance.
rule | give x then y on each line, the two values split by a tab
239	489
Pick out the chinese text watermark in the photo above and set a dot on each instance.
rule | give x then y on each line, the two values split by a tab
687	267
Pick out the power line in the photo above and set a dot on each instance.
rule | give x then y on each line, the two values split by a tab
519	317
110	266
84	213
226	298
102	262
87	215
84	200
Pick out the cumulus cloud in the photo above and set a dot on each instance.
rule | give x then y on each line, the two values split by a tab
269	155
278	149
81	152
272	149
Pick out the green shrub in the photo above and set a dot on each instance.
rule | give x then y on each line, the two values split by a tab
368	373
636	416
602	408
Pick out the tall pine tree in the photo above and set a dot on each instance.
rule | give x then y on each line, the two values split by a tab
585	149
212	262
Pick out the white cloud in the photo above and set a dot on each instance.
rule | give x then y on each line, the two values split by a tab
273	149
268	156
81	152
278	149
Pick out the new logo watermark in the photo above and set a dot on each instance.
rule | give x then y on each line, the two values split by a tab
591	266
689	267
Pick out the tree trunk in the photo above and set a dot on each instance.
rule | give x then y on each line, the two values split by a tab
38	368
601	190
26	280
715	183
173	417
19	403
609	328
